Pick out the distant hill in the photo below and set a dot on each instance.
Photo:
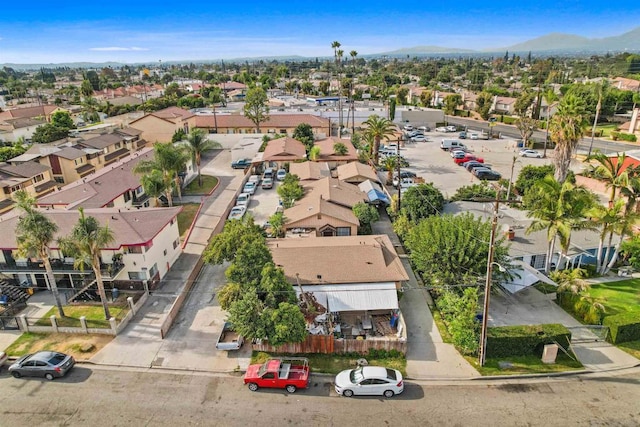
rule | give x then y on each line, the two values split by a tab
425	50
629	41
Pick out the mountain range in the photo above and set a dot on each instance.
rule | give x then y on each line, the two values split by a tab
551	44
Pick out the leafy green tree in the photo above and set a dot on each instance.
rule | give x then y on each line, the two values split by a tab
452	250
451	102
84	243
248	263
459	312
484	101
48	133
274	288
284	324
367	215
290	190
630	251
246	314
198	144
277	221
378	128
34	234
523	102
475	191
178	135
340	149
422	201
62	119
256	107
314	153
526	126
531	174
304	133
566	128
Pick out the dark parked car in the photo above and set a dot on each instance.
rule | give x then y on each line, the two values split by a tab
241	164
474	164
487	175
47	364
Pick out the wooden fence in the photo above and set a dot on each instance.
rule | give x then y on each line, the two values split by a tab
327	344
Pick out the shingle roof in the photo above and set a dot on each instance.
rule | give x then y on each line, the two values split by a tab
102	141
356	169
24	170
284	149
101	188
349	259
310	170
130	227
336	191
70	153
313	205
172	113
327	152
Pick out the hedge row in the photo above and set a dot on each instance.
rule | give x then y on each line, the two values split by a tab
622	327
508	341
580	307
623	136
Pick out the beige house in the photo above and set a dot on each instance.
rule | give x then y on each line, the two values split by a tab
328	154
312	215
359	275
160	126
283	150
356	172
42	112
335	191
12	130
503	105
31	177
283	124
310	171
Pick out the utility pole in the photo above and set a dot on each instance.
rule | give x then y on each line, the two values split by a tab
595	121
487	287
399	178
513	164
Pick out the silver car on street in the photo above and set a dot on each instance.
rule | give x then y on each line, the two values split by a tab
47	364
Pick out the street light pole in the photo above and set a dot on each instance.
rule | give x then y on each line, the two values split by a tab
487	287
595	122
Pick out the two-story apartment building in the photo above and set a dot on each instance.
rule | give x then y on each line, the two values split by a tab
32	177
160	126
278	123
145	246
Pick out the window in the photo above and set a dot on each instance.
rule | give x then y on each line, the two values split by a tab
165	252
139	190
38	178
154	270
269	376
137	275
538	261
135	249
343	231
176	243
127	196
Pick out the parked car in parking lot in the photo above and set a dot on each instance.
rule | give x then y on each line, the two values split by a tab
369	380
451	128
243	199
254	178
281	174
462	135
425	128
441	129
419	138
237	212
408	127
531	153
473	163
474	136
249	187
268	173
47	364
267	183
467	157
455	153
488	175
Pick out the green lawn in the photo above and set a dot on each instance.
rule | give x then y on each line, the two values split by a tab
525	365
185	218
94	315
193	189
606	129
619	297
334	363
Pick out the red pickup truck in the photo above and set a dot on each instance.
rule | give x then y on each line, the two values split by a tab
289	373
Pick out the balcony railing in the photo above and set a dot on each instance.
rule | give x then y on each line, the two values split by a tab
60	267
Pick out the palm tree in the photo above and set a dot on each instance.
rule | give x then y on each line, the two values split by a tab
566	129
559	209
170	160
198	143
85	242
34	234
154	185
378	128
314	153
612	170
353	55
607	219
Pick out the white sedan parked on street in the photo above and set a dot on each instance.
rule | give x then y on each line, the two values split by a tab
531	153
369	380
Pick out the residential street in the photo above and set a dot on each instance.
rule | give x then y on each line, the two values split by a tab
100	397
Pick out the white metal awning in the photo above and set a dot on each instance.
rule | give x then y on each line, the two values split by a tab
355	297
524	276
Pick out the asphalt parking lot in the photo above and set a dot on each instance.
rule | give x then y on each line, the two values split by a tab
429	161
263	203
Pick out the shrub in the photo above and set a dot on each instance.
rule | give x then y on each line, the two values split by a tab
629	137
507	120
623	327
582	307
507	341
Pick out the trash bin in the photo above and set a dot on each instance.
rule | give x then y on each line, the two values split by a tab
115	293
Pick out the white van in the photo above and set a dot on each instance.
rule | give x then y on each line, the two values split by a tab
448	144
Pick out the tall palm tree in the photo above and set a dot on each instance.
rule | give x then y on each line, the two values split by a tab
198	143
607	219
170	160
559	209
154	185
612	170
566	129
378	128
34	234
85	242
353	55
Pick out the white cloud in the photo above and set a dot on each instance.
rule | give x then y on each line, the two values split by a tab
118	49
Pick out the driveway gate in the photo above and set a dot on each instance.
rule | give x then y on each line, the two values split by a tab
588	333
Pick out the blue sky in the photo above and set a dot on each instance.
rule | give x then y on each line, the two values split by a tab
68	31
